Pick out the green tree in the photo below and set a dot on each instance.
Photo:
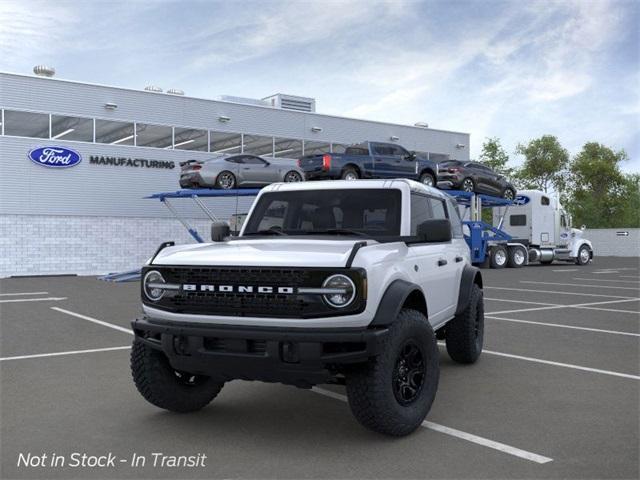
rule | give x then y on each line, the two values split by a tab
495	157
599	194
545	164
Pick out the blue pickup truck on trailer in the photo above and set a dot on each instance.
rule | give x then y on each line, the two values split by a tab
370	160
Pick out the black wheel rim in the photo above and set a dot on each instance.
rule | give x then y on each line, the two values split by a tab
188	379
226	181
467	185
408	373
293	177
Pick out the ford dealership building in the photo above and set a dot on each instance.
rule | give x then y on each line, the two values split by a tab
77	160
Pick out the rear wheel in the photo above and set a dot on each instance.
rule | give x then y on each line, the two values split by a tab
393	393
468	185
517	257
163	386
464	334
226	180
428	179
584	255
350	173
499	256
292	176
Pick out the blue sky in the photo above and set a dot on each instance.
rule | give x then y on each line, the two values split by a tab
515	69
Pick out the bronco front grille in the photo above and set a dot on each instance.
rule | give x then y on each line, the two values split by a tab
252	304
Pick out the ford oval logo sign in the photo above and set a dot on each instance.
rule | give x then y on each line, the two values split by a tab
55	157
521	200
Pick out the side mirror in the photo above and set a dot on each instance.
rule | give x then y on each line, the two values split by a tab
411	156
435	230
219	231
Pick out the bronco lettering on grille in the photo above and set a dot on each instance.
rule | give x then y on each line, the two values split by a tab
190	287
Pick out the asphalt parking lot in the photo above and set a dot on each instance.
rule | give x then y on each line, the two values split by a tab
554	395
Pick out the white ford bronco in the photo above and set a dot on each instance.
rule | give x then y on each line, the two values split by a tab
346	282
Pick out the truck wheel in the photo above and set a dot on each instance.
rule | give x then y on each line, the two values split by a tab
428	180
393	393
465	333
167	388
499	257
517	257
584	255
350	173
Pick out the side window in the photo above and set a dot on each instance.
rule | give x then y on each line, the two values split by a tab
545	201
517	220
420	211
253	160
234	160
437	207
454	217
399	151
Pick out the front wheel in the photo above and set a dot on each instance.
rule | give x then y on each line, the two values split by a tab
226	180
393	393
509	194
584	255
292	176
428	179
165	387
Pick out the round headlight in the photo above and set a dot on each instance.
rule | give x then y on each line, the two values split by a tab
152	285
345	291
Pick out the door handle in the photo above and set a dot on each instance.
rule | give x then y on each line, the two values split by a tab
459	259
442	262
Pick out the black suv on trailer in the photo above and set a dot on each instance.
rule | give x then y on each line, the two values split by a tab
474	177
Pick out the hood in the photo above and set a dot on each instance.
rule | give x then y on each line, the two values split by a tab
278	252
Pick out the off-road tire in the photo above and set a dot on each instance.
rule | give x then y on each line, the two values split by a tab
370	388
426	176
464	334
513	261
350	173
159	384
499	256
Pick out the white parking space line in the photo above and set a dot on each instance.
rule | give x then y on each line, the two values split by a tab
582	285
519	301
20	300
565	365
93	320
606	280
469	437
588	306
58	354
22	293
528	290
572	327
630	276
567	270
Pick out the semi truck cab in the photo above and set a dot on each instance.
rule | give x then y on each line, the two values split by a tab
539	222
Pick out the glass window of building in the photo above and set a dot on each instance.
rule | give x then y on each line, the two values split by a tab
71	128
26	124
114	133
190	139
315	148
438	157
229	143
287	148
258	145
338	147
157	136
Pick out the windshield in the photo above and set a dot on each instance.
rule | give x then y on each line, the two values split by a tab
357	212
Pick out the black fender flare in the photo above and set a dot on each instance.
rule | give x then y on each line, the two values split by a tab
470	275
393	300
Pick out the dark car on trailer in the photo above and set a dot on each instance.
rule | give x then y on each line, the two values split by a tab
472	176
370	160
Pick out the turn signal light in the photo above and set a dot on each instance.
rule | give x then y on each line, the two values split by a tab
326	162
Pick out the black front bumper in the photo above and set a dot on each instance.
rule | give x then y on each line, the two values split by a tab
296	356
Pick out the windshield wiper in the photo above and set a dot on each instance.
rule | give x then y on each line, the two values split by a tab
265	232
336	231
